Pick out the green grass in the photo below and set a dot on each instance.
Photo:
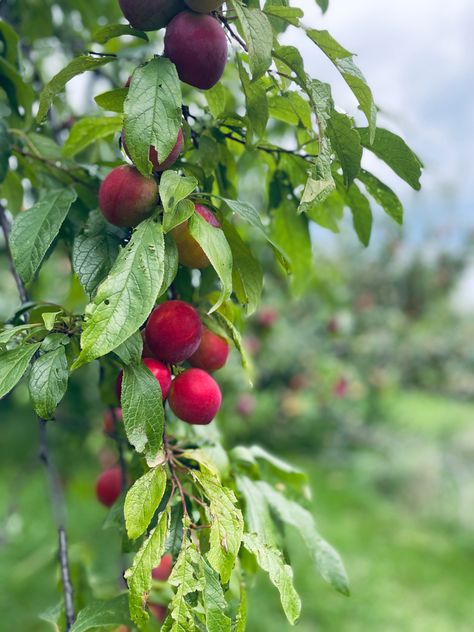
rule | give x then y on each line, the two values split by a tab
410	571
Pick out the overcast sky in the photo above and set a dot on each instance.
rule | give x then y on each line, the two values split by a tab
418	57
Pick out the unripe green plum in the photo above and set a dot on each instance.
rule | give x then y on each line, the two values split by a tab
197	45
204	6
126	197
190	252
150	15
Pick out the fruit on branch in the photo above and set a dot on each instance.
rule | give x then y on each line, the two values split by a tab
126	197
109	422
197	45
153	154
173	331
246	405
150	15
109	486
195	397
158	611
204	6
163	571
190	252
212	352
159	370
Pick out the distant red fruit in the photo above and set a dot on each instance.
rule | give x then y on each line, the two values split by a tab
108	424
267	316
109	486
173	331
158	611
195	397
245	405
159	370
212	352
163	571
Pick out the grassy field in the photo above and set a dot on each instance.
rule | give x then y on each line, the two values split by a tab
409	555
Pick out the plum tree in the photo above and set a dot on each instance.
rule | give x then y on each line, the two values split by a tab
126	197
190	252
195	397
204	6
150	15
212	352
109	486
158	369
163	570
173	331
153	154
197	45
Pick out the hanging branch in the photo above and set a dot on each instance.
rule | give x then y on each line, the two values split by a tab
54	483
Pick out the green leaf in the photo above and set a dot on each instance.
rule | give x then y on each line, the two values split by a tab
345	141
138	577
103	614
328	561
49	319
327	213
361	213
175	536
152	112
187	577
257	514
236	338
171	264
247	274
48	382
215	605
323	4
285	472
142	500
291	57
249	213
130	351
214	244
34	230
12	190
10	40
95	251
88	130
216	100
291	15
113	100
344	62
76	67
290	231
142	408
281	575
105	33
258	35
13	364
395	153
241	616
174	188
125	299
7	334
226	523
19	92
256	104
383	195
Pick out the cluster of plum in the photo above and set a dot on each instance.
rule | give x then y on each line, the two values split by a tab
174	334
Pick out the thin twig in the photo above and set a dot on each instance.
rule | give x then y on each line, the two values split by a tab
57	502
232	33
121	454
54	484
270	150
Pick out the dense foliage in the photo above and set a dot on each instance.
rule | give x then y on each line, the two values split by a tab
266	154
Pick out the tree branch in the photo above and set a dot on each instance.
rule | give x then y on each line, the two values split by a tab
225	22
54	484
